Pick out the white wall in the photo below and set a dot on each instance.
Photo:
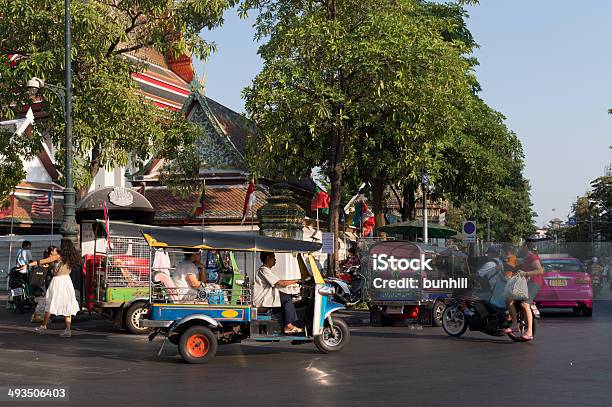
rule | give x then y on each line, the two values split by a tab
35	171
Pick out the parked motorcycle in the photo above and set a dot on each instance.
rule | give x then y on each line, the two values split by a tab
482	316
348	286
25	288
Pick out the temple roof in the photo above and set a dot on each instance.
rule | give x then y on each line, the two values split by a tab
222	204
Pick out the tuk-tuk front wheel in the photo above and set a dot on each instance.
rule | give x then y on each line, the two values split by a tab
198	344
333	340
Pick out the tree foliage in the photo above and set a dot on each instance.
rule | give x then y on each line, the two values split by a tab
378	92
113	124
361	89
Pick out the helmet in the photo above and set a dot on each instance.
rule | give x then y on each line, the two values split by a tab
594	260
493	250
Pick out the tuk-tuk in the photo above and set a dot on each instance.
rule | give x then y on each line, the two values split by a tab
116	275
197	320
414	303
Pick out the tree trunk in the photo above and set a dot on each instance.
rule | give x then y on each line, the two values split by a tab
336	152
94	168
409	201
378	192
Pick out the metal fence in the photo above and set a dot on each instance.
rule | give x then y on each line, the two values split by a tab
126	263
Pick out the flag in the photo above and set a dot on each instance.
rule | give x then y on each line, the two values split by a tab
249	200
8	211
42	204
442	217
368	220
320	200
198	207
107	225
360	207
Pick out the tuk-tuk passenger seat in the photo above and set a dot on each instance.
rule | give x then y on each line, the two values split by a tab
167	282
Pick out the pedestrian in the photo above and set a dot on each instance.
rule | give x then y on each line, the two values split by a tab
24	255
60	298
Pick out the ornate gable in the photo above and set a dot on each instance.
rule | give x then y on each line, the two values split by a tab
216	148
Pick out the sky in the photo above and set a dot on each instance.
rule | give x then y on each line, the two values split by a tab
546	65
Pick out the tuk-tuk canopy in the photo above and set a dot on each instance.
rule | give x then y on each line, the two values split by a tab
183	238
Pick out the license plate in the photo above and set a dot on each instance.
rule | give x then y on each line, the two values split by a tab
557	283
535	310
395	309
16	292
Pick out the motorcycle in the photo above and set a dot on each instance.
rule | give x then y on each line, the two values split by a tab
482	316
23	292
348	286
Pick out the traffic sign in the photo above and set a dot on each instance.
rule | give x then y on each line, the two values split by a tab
469	230
572	221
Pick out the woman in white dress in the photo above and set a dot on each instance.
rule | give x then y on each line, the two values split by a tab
60	298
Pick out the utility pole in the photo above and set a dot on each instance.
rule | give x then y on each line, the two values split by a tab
69	226
424	183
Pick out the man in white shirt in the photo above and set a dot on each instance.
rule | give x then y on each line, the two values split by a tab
266	293
189	274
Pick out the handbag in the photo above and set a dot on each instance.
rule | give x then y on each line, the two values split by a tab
39	311
516	289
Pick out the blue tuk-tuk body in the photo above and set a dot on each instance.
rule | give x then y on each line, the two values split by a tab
198	320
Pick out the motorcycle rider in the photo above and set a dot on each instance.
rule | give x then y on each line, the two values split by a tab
352	260
530	267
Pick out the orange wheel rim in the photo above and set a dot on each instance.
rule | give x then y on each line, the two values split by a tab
197	345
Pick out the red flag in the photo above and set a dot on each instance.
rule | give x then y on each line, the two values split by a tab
107	226
320	200
249	200
368	220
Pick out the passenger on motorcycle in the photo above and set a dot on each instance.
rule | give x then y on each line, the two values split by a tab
490	271
532	268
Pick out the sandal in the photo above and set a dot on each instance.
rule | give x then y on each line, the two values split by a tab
294	330
527	337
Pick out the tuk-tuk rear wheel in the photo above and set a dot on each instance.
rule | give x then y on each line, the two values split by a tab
198	344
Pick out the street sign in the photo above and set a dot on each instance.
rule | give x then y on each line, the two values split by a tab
328	243
572	221
469	230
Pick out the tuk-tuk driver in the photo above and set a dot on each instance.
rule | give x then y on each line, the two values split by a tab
266	293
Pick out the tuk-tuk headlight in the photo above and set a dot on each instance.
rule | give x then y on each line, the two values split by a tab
327	290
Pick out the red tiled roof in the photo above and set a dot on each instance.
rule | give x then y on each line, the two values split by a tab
222	203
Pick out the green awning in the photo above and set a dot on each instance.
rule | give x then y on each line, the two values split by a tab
412	227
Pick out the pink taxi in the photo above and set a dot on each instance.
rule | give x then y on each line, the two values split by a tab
566	285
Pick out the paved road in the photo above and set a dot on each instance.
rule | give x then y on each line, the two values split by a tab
569	363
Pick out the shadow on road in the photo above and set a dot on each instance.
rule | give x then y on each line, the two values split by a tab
442	337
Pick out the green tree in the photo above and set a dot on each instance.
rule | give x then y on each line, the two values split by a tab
343	80
113	125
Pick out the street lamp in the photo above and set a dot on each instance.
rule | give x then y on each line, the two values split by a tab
69	225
